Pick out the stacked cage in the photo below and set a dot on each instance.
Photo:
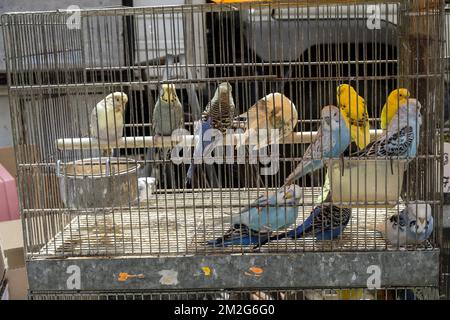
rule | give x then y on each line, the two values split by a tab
216	151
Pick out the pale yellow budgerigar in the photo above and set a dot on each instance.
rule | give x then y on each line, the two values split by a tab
274	111
354	109
396	98
107	119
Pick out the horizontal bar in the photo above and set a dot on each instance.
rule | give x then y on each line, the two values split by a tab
273	78
418	268
288	159
194	8
168	141
236	123
152	198
144	66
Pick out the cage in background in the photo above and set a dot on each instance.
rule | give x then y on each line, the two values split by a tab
91	199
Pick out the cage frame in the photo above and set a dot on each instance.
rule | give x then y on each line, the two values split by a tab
102	273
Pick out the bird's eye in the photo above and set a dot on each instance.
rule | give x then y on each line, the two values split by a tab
412	223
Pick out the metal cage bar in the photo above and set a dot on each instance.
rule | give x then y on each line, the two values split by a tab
103	179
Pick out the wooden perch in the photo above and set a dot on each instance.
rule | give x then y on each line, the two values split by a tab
166	141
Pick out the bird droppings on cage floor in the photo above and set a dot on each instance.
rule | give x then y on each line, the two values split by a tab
181	223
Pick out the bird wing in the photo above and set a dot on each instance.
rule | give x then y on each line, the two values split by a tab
156	119
259	117
360	130
392	144
321	219
93	124
262	201
239	234
220	112
178	112
399	142
325	218
321	147
310	158
383	117
285	118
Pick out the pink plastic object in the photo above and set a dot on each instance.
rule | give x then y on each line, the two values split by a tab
9	203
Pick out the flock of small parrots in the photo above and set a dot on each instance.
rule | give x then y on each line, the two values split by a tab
340	125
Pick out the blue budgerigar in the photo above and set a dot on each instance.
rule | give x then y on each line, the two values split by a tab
268	213
413	225
218	114
326	222
402	136
332	139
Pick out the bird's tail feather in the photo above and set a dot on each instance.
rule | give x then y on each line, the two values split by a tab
199	148
299	172
272	238
298	232
241	240
239	235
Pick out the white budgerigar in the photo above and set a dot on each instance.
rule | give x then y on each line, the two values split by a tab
413	225
107	119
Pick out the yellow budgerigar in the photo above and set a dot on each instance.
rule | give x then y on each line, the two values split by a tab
354	109
396	98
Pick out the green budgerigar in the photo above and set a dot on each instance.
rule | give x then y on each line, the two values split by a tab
168	114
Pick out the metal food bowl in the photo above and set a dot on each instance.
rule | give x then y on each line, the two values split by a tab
98	182
365	183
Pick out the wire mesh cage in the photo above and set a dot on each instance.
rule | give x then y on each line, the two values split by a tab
445	238
265	294
220	146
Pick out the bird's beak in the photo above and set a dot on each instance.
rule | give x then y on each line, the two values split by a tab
422	220
170	94
288	195
327	120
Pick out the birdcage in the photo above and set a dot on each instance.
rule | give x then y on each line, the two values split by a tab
154	146
445	239
265	294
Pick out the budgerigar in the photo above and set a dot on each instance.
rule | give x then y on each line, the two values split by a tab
218	114
107	119
268	213
396	98
326	222
402	136
397	95
332	139
274	111
354	109
413	225
168	114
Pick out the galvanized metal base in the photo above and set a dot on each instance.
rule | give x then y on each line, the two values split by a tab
299	270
